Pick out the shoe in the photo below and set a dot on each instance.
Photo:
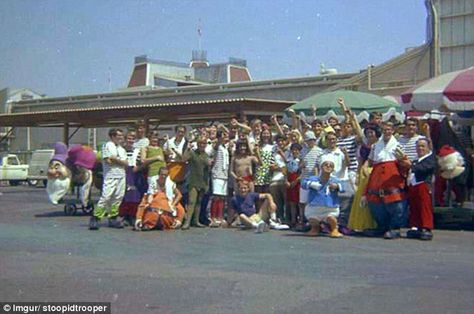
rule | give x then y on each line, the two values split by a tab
426	235
176	224
278	226
391	234
115	223
214	224
335	234
93	223
413	234
345	231
260	227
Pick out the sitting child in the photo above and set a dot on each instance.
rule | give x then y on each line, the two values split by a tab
244	203
323	201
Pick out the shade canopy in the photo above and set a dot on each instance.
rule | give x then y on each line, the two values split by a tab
362	104
453	91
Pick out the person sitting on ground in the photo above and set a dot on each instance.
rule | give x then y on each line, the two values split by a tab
323	201
244	204
163	209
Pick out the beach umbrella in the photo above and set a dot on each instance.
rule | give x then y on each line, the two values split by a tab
453	91
362	104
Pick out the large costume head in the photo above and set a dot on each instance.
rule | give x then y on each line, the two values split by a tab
450	162
68	168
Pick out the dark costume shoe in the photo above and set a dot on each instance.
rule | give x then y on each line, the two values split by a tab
413	234
93	223
115	223
426	235
391	234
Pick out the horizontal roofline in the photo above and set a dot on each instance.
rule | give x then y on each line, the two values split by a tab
133	92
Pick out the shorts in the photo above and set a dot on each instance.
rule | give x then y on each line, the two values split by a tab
219	186
321	213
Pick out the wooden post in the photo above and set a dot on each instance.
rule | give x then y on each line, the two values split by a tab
66	134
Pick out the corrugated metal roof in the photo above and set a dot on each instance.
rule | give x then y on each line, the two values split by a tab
107	114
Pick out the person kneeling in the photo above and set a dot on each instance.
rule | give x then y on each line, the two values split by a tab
161	210
323	200
244	204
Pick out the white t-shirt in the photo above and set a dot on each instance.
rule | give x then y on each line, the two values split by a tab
278	175
117	151
172	144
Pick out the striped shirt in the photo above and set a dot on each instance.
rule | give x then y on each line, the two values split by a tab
309	161
408	145
350	144
220	170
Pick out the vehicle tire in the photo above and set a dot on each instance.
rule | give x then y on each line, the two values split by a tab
14	182
88	209
32	182
70	209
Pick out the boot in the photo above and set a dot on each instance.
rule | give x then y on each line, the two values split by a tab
114	223
93	223
334	233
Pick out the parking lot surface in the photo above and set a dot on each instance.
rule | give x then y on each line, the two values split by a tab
47	256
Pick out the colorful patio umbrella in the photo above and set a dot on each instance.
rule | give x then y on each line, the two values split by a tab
362	104
453	91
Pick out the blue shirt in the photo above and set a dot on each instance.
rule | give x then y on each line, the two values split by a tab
322	196
245	204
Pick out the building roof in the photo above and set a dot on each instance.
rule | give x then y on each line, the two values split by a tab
152	72
162	113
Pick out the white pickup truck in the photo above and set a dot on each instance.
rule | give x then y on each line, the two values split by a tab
12	170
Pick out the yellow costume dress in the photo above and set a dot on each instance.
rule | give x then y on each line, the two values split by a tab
360	218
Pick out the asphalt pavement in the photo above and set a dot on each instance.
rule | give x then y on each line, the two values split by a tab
47	256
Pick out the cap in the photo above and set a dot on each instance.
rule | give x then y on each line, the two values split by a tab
309	135
446	150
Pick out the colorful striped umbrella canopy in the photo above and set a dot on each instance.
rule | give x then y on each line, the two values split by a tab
453	91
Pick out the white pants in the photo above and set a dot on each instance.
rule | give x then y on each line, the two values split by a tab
113	191
152	184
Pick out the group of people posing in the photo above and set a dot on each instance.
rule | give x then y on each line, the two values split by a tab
320	177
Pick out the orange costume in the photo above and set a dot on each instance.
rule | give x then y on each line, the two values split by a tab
159	214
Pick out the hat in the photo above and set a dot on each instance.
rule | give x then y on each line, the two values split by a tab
446	150
324	159
309	135
60	152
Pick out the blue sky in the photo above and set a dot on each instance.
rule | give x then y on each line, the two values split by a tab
67	47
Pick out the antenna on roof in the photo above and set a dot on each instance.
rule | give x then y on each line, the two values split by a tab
109	79
199	31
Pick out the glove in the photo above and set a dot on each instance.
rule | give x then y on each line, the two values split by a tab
138	224
399	154
363	201
315	185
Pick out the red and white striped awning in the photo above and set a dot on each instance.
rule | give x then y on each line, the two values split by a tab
453	91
